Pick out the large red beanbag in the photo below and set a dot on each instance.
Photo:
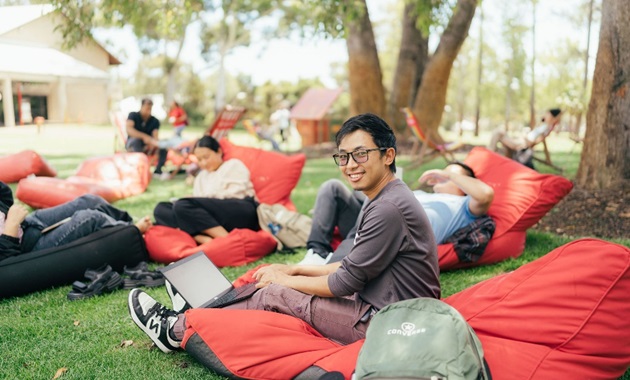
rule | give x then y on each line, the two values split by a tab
563	316
239	247
112	177
522	196
20	165
274	175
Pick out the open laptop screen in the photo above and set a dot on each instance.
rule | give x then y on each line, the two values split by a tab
197	279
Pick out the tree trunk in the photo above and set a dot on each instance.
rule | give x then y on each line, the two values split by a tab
479	73
575	131
367	93
171	70
429	105
606	155
412	58
532	94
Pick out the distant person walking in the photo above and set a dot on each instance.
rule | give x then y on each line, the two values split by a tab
178	117
281	120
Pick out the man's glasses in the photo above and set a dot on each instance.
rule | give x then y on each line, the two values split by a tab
359	156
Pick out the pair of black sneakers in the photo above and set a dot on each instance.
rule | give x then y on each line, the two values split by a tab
105	280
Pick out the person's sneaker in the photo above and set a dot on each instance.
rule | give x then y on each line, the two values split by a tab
314	258
154	319
179	303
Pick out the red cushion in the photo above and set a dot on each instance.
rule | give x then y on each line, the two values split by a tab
112	177
274	175
20	165
43	192
239	247
566	314
255	344
522	196
127	173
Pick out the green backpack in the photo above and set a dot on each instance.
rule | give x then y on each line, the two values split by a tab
421	338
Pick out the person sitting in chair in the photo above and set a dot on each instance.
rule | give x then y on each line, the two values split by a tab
142	129
457	200
533	137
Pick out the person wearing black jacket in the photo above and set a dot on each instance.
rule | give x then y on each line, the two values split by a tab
21	232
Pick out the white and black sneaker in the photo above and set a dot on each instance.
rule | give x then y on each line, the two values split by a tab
315	258
154	319
179	303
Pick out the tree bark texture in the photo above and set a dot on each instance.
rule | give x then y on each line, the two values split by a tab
429	104
606	155
367	93
412	58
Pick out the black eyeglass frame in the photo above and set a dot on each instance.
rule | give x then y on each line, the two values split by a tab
337	156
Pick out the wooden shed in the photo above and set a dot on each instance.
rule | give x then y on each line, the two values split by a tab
310	114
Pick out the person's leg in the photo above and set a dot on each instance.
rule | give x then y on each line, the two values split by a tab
135	144
335	318
164	215
335	206
494	140
49	216
205	215
161	161
83	223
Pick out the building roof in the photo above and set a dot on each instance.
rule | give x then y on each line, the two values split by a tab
44	61
13	17
314	104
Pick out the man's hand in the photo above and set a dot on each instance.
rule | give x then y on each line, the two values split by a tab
16	215
272	274
434	176
150	141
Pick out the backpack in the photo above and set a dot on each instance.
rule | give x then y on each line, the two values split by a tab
289	228
421	338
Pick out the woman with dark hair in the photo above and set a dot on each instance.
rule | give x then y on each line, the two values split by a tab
223	197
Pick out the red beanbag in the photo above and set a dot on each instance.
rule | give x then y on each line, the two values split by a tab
274	175
255	344
112	177
563	316
522	196
239	247
43	192
20	165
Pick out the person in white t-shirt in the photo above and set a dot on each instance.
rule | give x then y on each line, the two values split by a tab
223	197
533	137
458	199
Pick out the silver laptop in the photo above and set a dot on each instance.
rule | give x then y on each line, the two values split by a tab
202	284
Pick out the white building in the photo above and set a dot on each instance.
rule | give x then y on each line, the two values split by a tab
60	85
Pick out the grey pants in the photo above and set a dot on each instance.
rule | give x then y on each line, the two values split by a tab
335	206
336	318
344	320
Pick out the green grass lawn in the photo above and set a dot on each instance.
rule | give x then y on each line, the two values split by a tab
43	332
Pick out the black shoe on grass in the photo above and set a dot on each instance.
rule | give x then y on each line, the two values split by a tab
140	275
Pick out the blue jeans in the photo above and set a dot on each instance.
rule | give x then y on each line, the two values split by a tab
86	219
335	206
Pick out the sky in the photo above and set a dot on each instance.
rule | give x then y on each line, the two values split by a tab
290	59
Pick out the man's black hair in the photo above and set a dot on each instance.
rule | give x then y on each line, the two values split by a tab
146	101
381	133
555	112
471	172
208	142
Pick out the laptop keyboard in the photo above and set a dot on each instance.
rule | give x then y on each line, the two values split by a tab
234	296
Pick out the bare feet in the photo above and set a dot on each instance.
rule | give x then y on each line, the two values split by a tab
200	239
144	224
